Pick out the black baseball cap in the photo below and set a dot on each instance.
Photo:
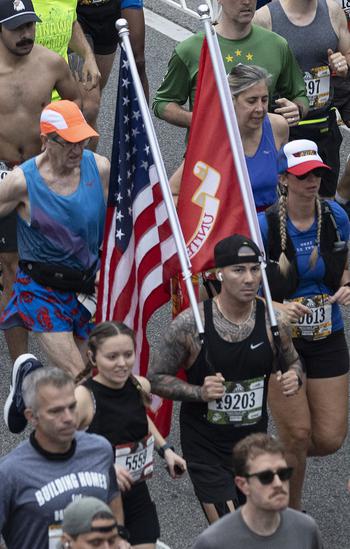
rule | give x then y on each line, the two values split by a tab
227	251
14	13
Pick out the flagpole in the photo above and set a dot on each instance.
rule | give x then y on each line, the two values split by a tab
123	31
236	148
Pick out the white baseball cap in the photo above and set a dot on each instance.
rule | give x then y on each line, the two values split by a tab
299	157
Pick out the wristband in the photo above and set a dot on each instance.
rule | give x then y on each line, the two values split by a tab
123	532
161	450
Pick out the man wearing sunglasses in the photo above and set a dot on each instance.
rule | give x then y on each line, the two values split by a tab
60	200
264	520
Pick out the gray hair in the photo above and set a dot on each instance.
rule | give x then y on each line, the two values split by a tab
39	378
243	77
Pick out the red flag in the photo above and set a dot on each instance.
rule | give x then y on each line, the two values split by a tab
139	251
210	205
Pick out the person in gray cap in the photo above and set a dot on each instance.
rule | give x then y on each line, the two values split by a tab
224	395
88	522
28	74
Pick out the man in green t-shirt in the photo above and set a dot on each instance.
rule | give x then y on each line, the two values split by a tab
240	42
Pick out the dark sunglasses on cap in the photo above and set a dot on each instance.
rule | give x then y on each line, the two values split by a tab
318	172
267	477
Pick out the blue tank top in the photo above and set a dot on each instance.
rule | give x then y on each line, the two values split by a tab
262	168
63	229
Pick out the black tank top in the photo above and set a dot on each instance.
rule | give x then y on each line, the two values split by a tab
250	359
120	415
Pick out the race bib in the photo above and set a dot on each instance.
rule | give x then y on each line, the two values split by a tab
55	533
317	83
318	323
89	302
345	5
241	404
136	457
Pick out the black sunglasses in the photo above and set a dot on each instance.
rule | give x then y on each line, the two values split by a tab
266	477
318	172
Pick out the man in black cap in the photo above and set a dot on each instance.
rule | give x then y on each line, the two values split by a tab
224	396
28	74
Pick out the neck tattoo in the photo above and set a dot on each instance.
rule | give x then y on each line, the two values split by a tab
232	330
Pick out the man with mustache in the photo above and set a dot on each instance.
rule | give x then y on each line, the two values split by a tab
264	520
28	74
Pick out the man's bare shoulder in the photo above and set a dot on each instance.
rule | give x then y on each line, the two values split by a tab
103	164
262	18
46	57
337	16
15	178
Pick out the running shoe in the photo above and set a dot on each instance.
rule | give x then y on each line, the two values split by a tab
14	405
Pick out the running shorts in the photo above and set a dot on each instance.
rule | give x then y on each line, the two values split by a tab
140	515
42	309
98	22
328	357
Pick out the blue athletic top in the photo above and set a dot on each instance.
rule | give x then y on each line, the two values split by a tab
131	4
63	229
262	168
311	280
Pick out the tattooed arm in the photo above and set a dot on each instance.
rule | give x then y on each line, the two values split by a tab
291	379
179	348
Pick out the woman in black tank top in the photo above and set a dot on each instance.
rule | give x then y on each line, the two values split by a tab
113	404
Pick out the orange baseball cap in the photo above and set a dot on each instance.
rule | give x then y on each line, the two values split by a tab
66	119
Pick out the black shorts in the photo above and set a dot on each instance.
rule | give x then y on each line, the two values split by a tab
8	233
328	138
140	515
213	483
98	21
328	357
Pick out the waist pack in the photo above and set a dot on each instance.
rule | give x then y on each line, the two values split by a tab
60	277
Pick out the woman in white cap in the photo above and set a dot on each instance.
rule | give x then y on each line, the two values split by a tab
113	404
306	245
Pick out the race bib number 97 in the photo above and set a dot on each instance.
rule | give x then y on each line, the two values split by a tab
317	84
241	404
137	458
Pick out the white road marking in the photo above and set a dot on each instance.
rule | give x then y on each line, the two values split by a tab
164	26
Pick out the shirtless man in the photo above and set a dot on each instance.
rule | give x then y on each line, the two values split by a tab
28	74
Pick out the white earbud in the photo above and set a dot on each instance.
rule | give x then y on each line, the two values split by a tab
219	276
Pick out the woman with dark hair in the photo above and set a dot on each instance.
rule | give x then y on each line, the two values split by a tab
113	404
306	246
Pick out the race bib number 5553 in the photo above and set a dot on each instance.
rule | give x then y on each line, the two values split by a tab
136	457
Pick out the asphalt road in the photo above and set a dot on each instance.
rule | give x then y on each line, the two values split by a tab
325	495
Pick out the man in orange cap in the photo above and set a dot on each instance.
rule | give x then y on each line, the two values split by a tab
28	74
60	198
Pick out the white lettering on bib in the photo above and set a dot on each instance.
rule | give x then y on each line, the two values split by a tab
317	324
317	83
136	457
241	404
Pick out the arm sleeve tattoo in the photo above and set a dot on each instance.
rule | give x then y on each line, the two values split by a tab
178	349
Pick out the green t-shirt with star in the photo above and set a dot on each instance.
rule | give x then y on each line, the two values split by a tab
261	47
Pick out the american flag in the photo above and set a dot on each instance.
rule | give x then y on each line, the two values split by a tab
138	255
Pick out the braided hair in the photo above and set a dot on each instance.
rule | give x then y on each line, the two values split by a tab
98	335
283	261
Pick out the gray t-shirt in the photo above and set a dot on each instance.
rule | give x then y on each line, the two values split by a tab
34	490
295	531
